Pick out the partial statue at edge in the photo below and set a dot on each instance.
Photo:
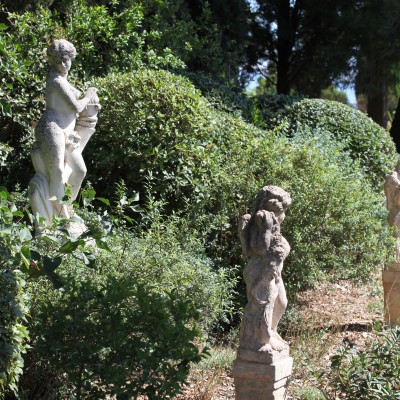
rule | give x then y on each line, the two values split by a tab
266	249
392	193
61	134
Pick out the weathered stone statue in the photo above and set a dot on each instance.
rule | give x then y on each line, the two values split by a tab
392	192
391	273
261	348
61	135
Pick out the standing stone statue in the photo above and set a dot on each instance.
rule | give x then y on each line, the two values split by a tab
391	273
392	192
61	135
263	366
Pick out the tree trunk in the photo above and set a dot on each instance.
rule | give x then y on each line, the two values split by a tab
395	129
284	46
377	106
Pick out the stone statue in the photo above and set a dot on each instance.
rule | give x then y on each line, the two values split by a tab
392	192
61	135
266	249
263	366
391	272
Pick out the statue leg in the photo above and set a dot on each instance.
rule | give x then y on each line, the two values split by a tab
279	308
51	143
273	315
263	298
75	160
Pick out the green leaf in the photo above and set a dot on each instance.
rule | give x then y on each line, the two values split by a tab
26	252
88	195
101	244
5	229
49	238
70	246
25	235
3	27
103	200
89	259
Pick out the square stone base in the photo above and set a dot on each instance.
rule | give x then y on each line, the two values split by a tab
391	291
262	376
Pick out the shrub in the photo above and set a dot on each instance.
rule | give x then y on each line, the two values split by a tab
373	373
365	140
137	317
14	239
161	132
210	164
117	338
335	224
21	260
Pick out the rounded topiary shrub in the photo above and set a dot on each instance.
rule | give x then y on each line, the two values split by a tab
161	136
158	134
365	140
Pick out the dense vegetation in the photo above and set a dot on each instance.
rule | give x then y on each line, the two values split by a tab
177	158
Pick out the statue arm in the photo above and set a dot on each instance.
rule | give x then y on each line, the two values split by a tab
69	94
243	228
261	232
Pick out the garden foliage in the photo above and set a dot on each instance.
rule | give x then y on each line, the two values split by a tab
116	337
170	142
139	302
127	319
14	250
366	141
368	374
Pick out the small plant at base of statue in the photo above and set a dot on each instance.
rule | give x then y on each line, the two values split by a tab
266	249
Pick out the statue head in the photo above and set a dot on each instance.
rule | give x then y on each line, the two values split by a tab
60	55
274	199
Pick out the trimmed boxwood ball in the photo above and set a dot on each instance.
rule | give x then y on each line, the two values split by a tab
365	140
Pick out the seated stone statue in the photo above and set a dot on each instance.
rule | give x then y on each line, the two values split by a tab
266	249
61	135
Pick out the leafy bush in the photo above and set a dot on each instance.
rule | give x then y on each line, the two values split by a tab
166	261
19	261
210	164
335	224
13	332
14	239
160	130
365	140
132	325
373	373
117	338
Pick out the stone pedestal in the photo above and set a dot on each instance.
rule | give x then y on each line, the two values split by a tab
262	376
391	291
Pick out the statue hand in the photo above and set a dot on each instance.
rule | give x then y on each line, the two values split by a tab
91	93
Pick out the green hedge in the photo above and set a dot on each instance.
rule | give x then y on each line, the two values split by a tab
365	140
165	140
